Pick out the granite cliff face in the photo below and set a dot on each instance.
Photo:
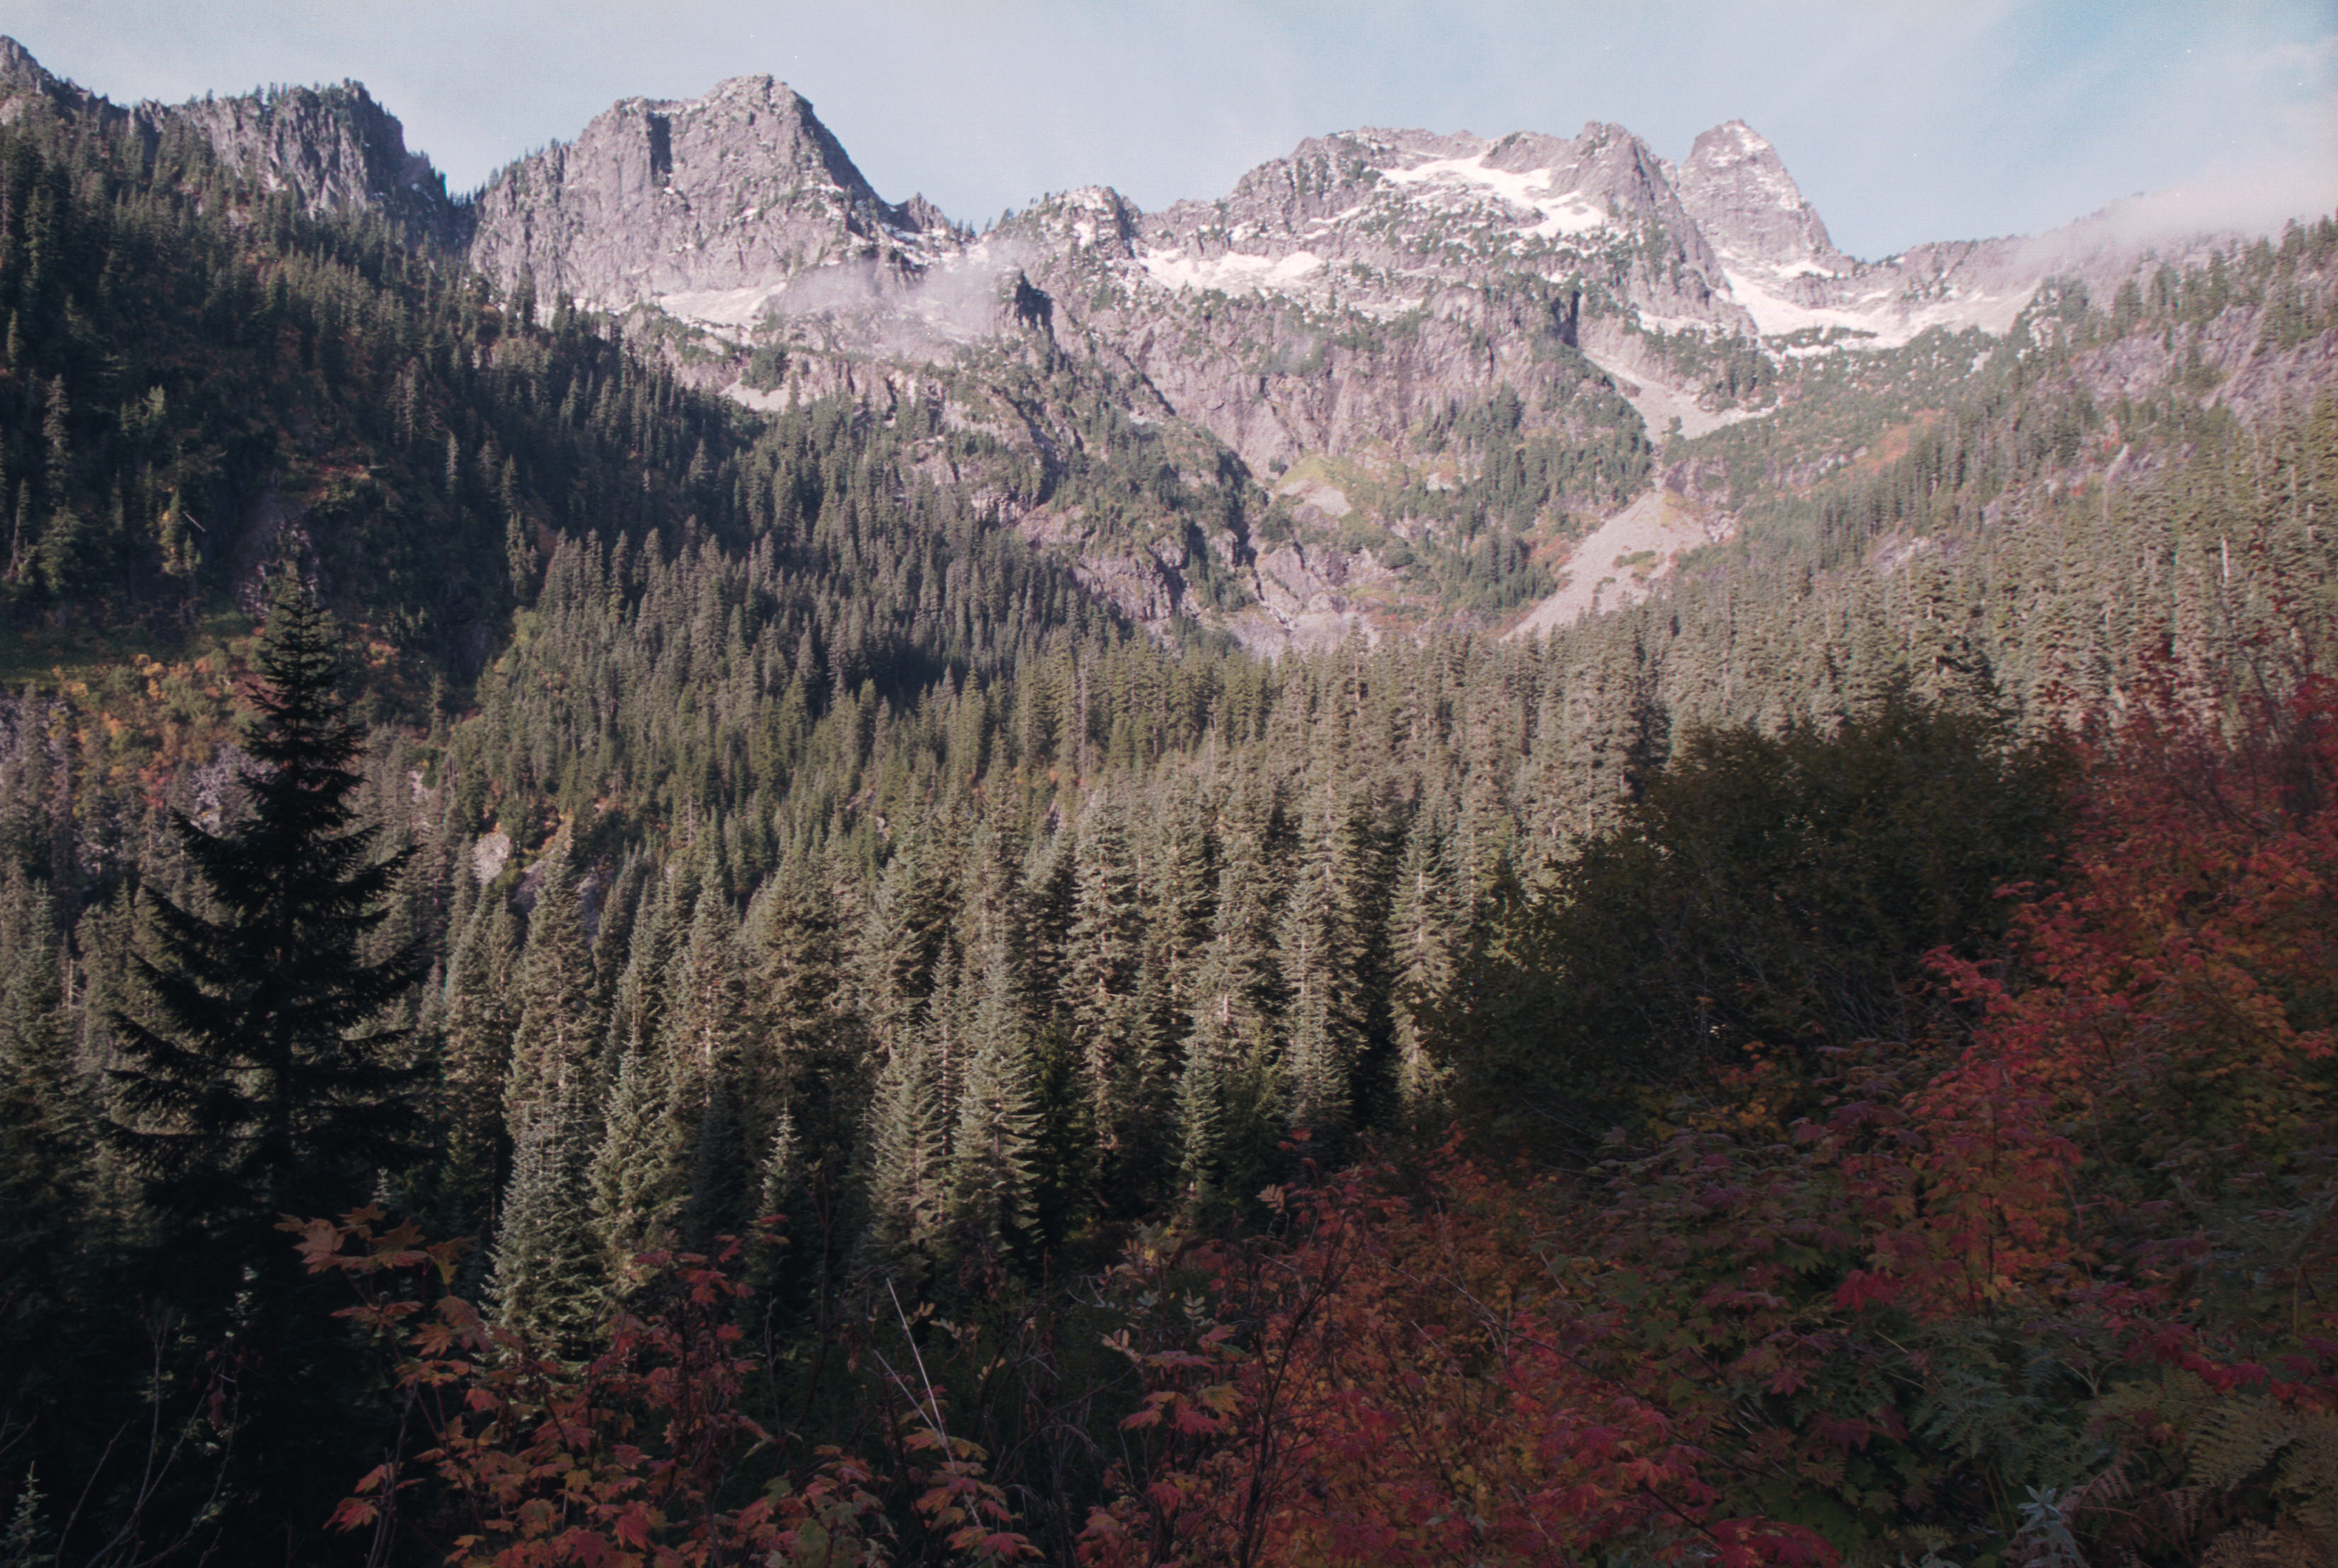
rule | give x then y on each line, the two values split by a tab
700	205
1748	207
334	148
1468	264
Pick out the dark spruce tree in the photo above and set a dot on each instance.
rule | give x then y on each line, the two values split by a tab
264	1082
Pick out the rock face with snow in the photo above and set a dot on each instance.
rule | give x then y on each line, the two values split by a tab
1337	297
1376	215
741	189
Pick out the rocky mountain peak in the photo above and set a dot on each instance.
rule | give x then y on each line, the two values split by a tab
24	81
740	189
336	148
1093	220
1735	186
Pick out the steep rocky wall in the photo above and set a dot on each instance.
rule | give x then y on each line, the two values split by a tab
740	189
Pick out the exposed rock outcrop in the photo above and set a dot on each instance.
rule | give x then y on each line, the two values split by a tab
741	189
1746	205
334	148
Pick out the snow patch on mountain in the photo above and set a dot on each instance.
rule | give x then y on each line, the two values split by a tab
1885	312
1562	212
720	306
1235	273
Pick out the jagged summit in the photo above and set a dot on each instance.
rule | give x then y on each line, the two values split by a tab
740	189
716	207
22	76
1749	208
335	148
1376	216
1353	327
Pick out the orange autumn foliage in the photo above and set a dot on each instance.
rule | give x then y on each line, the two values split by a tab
2177	997
633	1459
1399	1381
1812	1319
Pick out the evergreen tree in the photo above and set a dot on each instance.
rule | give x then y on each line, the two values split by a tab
1101	972
779	1258
1201	1119
556	1040
1316	944
782	1168
1425	934
990	1175
1179	900
264	1084
262	1088
546	1275
908	1171
478	1018
637	1181
638	998
1230	1095
705	1029
805	1057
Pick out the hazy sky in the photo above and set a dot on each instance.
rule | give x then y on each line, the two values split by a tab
1903	120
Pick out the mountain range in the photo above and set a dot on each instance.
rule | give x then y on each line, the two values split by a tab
1318	330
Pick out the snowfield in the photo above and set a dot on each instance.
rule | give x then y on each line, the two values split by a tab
1884	311
1235	273
1563	212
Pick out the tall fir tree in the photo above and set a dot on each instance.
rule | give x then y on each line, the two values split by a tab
477	1018
989	1182
1231	1096
1101	972
260	1081
907	1167
1426	932
545	1270
557	1038
1315	943
262	1086
638	1185
547	1279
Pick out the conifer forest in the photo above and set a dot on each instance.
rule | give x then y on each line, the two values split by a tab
593	975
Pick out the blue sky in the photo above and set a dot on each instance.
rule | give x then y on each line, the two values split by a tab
1903	122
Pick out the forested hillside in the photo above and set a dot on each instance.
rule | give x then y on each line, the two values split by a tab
790	1027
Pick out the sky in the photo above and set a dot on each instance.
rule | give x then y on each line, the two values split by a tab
1903	120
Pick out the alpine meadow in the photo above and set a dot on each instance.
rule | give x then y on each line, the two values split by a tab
1475	858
